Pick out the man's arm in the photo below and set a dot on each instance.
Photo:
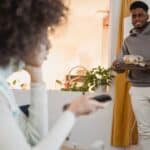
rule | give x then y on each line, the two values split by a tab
118	64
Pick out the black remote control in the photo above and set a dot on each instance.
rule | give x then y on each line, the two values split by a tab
102	98
99	98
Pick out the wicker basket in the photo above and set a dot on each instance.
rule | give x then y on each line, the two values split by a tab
76	74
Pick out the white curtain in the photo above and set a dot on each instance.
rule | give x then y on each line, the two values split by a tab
114	23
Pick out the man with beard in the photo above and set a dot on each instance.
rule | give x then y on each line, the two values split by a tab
138	44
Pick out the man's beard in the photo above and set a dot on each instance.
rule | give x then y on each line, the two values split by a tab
141	27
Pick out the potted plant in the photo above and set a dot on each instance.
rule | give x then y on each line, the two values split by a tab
93	79
98	77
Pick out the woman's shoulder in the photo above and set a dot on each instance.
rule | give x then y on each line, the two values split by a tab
7	96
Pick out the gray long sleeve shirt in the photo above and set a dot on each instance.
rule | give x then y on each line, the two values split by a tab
138	44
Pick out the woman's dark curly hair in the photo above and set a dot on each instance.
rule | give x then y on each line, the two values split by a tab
22	23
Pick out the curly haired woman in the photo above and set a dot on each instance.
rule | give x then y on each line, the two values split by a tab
24	44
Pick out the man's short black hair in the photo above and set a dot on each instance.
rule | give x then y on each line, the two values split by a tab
139	4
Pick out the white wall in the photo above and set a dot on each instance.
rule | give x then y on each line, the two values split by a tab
78	42
147	1
114	18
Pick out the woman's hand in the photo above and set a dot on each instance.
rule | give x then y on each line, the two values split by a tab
83	105
35	59
35	73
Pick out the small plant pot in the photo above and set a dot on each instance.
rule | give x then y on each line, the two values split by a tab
101	89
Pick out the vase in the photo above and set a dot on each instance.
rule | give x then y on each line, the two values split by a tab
101	89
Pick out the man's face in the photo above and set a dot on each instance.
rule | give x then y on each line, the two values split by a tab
139	17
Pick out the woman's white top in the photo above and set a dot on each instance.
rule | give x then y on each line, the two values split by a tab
18	132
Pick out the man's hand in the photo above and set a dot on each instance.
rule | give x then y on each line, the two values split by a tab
117	66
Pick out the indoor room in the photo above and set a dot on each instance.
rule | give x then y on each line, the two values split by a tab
88	54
